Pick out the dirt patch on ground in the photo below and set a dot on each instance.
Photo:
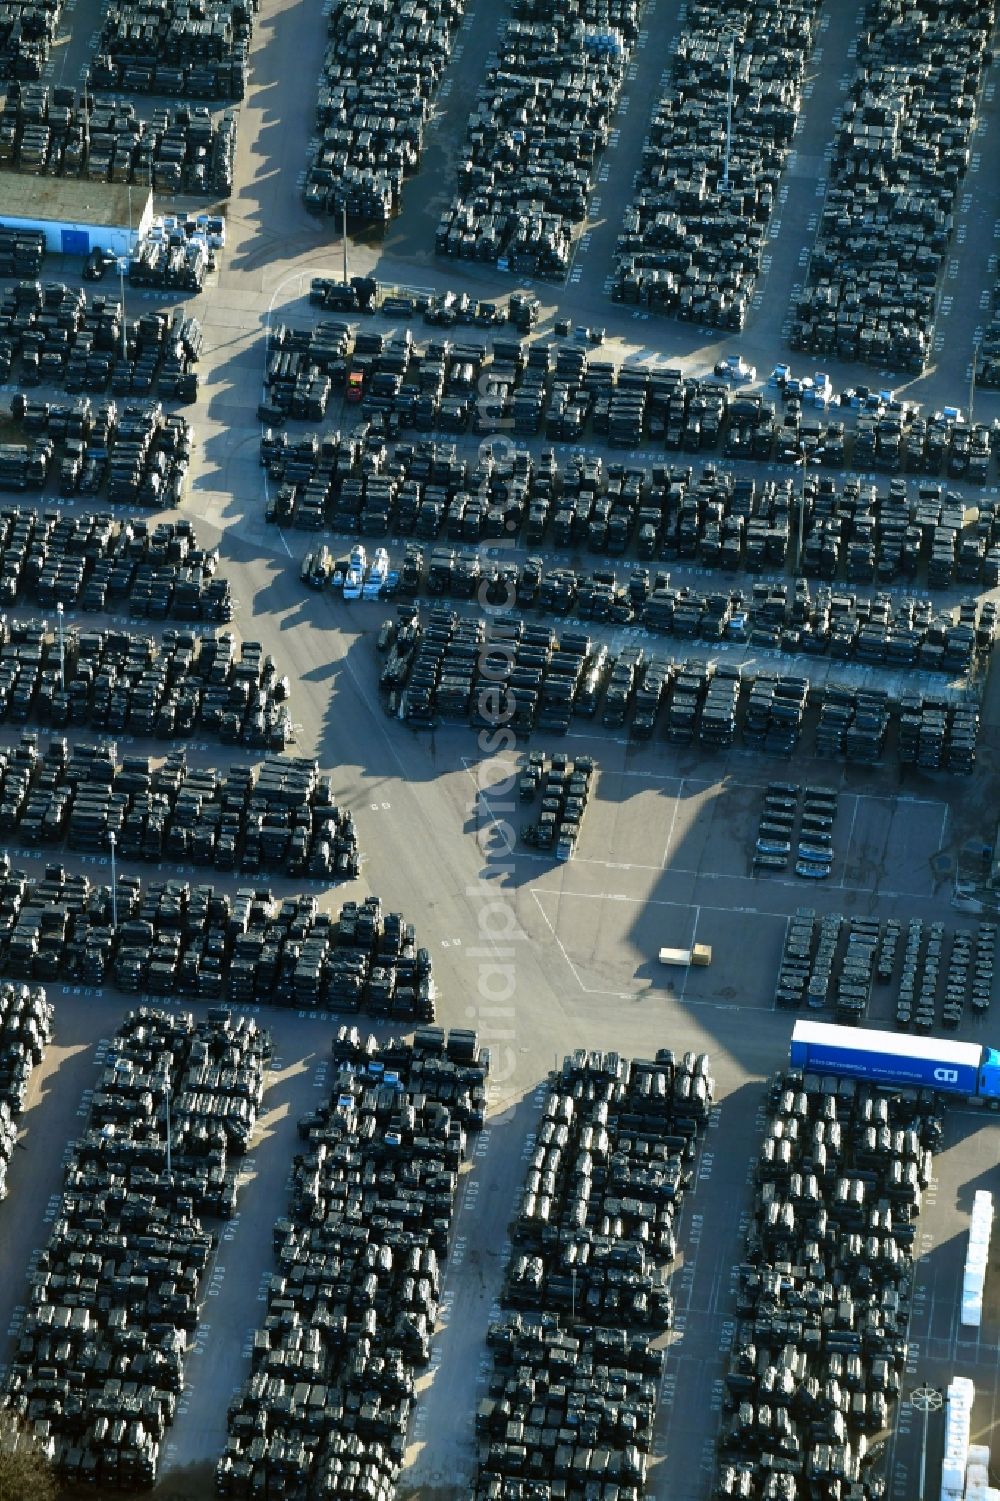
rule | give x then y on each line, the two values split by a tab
197	1483
192	1483
431	1492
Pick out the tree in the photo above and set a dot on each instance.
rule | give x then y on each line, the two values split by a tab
25	1473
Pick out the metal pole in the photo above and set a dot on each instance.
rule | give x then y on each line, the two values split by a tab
729	119
802	509
114	885
972	382
121	282
62	650
170	1171
344	236
121	269
926	1399
572	1278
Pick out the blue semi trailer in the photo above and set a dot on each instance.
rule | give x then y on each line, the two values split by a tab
966	1069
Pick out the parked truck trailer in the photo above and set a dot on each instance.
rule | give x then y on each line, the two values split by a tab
698	954
966	1069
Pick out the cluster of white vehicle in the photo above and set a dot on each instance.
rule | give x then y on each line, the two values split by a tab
816	388
364	579
168	229
355	577
734	368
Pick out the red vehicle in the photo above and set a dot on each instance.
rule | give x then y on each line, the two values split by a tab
355	386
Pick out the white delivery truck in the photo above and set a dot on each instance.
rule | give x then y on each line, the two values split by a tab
699	954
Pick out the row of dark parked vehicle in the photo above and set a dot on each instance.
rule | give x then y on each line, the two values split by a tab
56	335
133	454
946	966
693	238
560	390
834	961
360	1256
167	50
366	484
987	353
465	669
121	682
543	117
375	99
175	937
96	561
820	1350
281	815
22	251
51	131
27	32
578	1357
565	787
112	1304
904	142
785	828
881	629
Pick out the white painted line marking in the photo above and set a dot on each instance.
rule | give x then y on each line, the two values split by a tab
673	820
850	836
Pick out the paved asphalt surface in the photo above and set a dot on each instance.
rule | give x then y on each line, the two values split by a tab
541	958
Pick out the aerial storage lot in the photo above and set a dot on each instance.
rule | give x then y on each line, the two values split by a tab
765	609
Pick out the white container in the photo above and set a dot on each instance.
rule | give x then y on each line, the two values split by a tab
977	1259
953	1475
958	1419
